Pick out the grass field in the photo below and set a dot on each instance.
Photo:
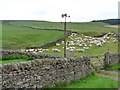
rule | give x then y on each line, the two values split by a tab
94	50
18	34
92	81
17	37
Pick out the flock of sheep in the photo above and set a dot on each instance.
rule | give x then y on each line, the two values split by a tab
79	44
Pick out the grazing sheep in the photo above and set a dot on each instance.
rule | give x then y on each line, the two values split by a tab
26	50
114	41
62	42
85	45
57	44
22	50
80	45
34	52
67	48
72	47
80	50
56	50
71	50
86	48
40	51
46	50
90	45
31	50
98	44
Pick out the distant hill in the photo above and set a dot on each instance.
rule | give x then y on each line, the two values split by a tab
24	21
110	21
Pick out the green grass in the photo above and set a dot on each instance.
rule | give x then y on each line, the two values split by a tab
91	28
94	50
92	81
17	37
88	28
12	61
113	67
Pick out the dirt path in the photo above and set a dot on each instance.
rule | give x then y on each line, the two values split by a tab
111	26
110	74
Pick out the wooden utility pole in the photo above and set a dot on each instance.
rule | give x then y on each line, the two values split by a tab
65	15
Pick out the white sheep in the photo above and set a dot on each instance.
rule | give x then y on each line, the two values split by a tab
46	50
86	48
62	42
90	45
31	50
98	44
40	51
114	41
57	44
22	50
56	50
80	50
80	45
67	48
34	52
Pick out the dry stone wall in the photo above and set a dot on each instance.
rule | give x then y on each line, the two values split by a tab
52	43
40	73
114	59
46	72
111	59
8	53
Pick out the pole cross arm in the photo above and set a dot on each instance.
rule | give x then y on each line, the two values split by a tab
64	15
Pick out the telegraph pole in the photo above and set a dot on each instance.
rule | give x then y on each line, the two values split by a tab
65	15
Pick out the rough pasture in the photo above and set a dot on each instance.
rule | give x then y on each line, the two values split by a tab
82	44
19	35
16	37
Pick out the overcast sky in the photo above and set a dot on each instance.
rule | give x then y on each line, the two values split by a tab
51	10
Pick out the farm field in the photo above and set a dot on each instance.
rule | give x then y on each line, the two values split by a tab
19	35
84	39
16	37
93	50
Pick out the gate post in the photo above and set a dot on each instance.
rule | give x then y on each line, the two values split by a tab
106	59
